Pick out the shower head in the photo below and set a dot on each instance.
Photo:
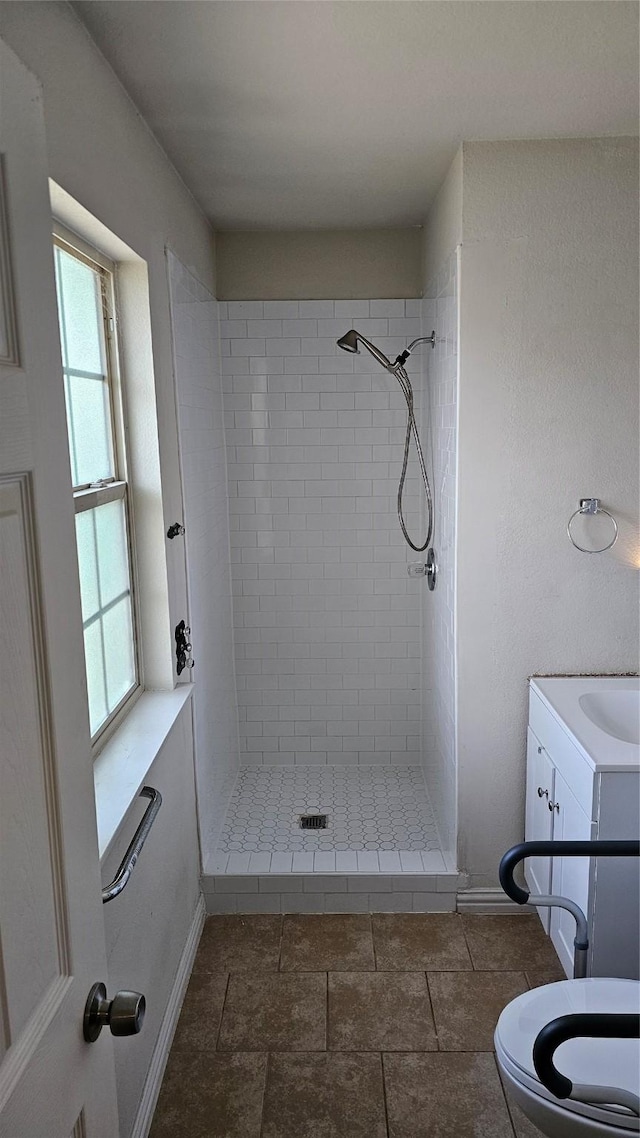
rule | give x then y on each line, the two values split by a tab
349	343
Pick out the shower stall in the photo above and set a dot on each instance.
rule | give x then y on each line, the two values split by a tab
339	793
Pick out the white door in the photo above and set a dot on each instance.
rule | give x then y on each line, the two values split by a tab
538	821
52	1083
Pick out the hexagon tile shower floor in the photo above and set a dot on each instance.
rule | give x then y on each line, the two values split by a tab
368	808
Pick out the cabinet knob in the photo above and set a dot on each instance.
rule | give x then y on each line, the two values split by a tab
542	793
539	750
554	806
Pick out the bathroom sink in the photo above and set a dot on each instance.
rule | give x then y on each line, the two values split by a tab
601	715
616	712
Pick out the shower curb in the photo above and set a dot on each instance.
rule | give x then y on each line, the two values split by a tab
330	893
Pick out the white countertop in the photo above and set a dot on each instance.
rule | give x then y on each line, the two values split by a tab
561	695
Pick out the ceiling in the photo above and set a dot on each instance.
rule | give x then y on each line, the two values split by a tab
310	114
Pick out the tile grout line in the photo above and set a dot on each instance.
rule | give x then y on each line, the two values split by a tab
264	1092
373	943
467	945
384	1092
224	1004
433	1010
282	919
504	1095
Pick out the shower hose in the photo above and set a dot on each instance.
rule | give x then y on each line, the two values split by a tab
412	429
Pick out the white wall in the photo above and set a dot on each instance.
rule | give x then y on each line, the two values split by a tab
548	413
442	232
146	926
326	618
196	345
440	434
102	154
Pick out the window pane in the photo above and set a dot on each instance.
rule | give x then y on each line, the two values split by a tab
102	534
94	660
105	587
88	563
118	651
89	424
111	539
80	310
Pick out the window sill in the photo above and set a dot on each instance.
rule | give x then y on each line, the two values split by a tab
121	768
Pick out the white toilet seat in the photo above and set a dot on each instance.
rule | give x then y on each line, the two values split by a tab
605	1062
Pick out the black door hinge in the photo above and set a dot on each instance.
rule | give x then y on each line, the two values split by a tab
175	530
183	648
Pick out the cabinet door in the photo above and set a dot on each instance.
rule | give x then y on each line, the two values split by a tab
570	875
538	819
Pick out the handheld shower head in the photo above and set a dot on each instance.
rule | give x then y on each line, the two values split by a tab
349	343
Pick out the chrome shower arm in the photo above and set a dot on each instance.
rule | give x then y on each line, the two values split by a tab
404	356
422	340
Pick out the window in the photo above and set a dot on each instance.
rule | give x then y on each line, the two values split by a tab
85	288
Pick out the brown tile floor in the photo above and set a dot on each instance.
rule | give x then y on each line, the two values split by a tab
349	1027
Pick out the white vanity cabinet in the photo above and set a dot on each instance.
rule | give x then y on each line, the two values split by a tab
573	797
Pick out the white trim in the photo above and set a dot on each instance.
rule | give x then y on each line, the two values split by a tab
162	1048
488	901
121	768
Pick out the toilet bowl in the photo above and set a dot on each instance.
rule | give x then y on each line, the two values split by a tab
596	1062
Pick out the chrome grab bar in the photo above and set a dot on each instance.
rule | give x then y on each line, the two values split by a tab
129	860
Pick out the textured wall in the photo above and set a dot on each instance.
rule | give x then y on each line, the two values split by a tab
326	618
548	413
440	429
204	484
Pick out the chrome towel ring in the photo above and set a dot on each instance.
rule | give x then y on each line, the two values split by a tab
592	506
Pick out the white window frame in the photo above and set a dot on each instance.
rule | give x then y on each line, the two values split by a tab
88	497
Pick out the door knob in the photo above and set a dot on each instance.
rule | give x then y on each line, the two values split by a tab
124	1014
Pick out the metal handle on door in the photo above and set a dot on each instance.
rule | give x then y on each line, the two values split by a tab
554	806
123	1015
542	793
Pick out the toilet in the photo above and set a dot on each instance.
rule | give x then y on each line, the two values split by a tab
603	1062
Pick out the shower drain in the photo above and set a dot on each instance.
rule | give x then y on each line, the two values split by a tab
313	821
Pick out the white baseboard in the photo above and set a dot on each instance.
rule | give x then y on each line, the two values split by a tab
488	901
153	1081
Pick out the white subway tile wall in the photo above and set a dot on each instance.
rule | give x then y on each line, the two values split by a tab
326	620
204	484
438	648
